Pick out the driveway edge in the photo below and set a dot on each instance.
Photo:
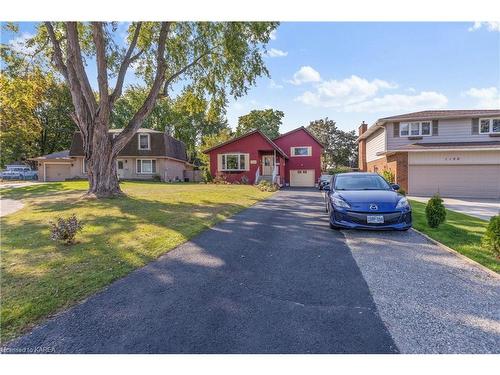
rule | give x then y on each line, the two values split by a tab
450	250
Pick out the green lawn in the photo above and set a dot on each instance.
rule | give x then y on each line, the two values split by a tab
461	232
40	276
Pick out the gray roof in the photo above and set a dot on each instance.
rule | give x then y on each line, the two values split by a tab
55	155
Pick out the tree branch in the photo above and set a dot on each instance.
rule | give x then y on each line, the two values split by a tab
121	140
57	56
102	66
74	57
127	60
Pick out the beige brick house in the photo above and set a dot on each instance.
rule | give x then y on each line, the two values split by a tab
149	153
453	152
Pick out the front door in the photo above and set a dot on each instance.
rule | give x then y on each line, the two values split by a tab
119	168
267	165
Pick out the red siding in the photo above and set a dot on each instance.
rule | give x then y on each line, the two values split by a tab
248	145
296	139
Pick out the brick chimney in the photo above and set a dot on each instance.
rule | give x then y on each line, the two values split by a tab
362	165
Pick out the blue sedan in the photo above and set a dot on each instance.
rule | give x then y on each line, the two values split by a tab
366	201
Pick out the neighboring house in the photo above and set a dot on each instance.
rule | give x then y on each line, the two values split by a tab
149	153
293	158
455	153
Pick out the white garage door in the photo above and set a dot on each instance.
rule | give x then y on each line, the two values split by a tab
474	181
57	172
302	177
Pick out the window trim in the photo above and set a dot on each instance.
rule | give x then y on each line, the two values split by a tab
409	123
292	151
238	154
139	141
141	172
490	125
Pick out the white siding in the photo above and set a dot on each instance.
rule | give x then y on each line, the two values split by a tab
454	158
375	143
458	130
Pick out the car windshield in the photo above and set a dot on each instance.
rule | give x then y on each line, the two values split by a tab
361	182
325	177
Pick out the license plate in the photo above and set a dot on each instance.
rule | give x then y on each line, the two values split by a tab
375	219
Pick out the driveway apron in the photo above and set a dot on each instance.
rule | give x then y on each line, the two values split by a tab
271	279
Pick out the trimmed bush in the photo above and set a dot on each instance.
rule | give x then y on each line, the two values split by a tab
156	178
388	175
435	211
65	230
267	186
491	238
206	176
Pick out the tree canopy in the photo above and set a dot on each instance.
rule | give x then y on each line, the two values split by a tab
341	148
267	121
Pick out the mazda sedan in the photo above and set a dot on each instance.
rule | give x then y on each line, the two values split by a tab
366	201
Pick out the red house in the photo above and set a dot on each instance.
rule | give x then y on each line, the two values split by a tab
293	158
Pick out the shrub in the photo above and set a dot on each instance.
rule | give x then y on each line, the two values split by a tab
156	178
244	180
65	229
388	175
265	185
435	211
220	179
339	169
491	238
206	176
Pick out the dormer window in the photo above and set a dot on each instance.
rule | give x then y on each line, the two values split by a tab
144	141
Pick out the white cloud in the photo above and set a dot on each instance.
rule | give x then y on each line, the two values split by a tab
305	74
274	85
357	94
488	97
273	35
18	44
274	52
348	91
491	26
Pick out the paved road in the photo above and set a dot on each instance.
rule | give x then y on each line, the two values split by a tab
480	208
276	279
272	279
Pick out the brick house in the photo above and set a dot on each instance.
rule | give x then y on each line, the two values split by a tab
453	152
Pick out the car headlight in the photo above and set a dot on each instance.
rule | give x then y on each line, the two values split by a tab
403	203
339	202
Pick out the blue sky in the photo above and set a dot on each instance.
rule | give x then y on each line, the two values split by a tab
352	72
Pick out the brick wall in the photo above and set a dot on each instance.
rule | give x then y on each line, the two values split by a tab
397	164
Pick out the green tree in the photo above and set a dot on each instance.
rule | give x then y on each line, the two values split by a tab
341	148
268	121
34	108
215	59
211	140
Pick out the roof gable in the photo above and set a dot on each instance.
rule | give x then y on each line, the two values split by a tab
236	139
304	129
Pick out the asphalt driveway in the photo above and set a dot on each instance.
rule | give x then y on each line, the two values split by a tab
272	279
276	279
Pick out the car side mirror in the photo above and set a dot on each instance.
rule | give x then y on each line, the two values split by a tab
326	187
395	187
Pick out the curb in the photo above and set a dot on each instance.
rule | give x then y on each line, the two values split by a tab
450	250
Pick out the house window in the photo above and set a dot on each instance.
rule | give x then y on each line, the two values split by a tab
233	162
301	151
415	129
144	142
489	125
146	166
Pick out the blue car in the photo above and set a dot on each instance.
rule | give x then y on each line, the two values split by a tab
366	201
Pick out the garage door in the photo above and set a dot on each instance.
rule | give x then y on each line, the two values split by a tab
302	177
57	172
477	181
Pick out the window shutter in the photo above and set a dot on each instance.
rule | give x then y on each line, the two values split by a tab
435	127
219	162
475	126
153	166
395	129
247	162
138	169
